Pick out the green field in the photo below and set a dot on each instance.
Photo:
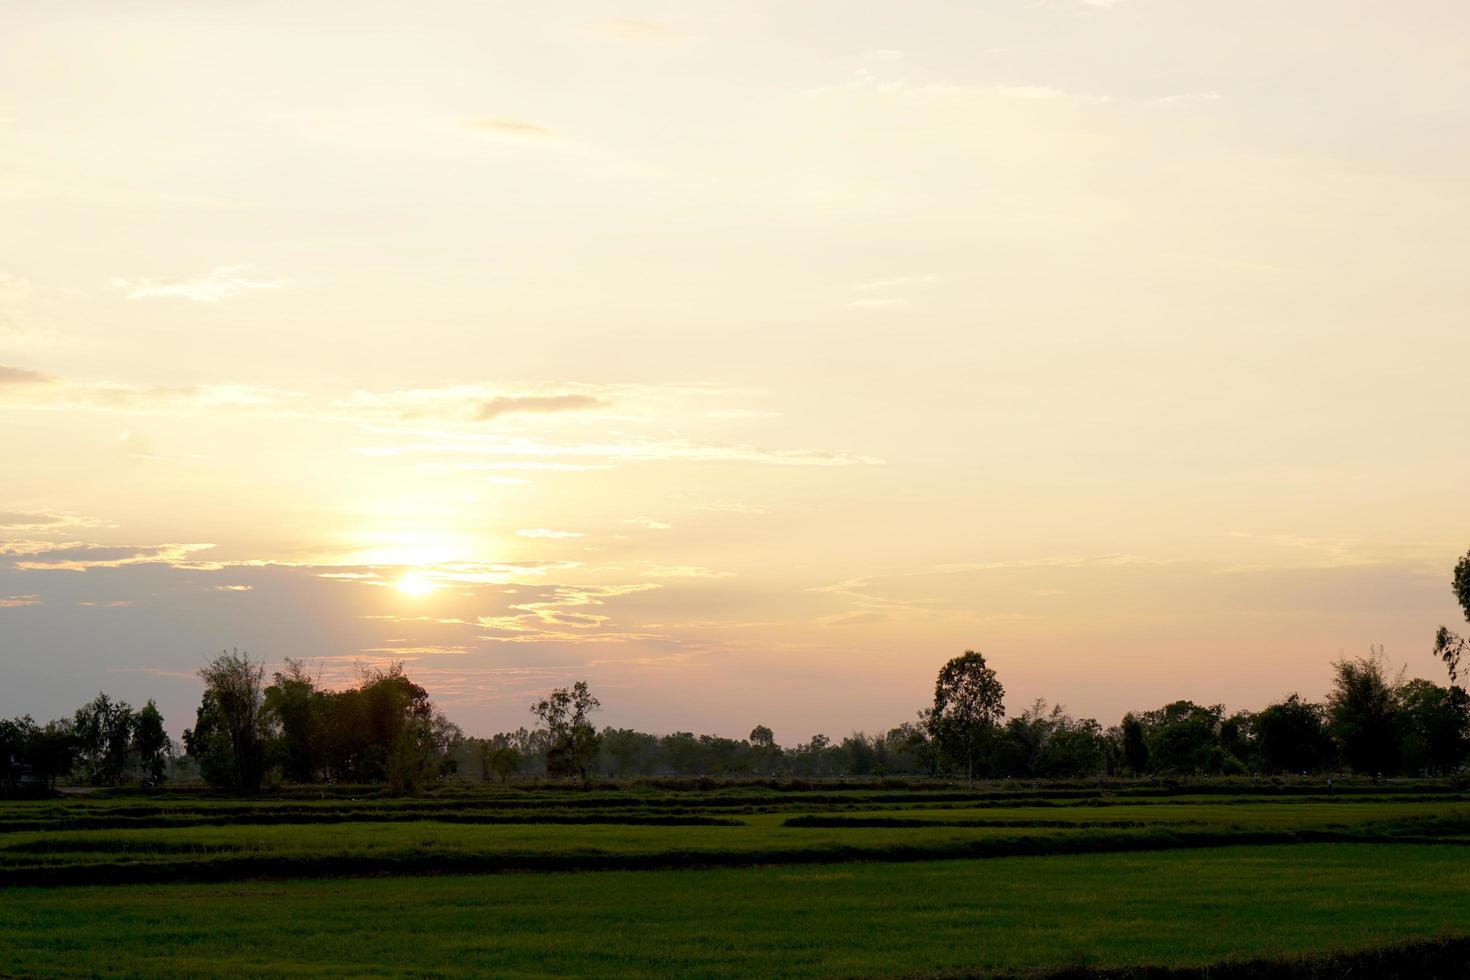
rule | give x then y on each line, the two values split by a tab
737	881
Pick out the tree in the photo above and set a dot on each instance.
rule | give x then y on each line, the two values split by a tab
1291	736
1135	745
103	729
1362	713
574	742
1449	646
231	726
298	710
151	743
968	703
1434	723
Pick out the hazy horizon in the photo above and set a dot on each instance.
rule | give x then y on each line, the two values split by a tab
747	361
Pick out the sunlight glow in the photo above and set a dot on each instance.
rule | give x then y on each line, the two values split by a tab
415	584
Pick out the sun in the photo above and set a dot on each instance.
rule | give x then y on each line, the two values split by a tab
415	584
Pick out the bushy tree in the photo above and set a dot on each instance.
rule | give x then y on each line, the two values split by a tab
231	726
151	743
103	729
969	702
1183	738
1362	713
1434	726
574	742
1291	736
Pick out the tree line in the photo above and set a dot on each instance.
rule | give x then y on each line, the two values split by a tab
385	730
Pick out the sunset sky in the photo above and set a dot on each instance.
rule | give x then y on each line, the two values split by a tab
748	360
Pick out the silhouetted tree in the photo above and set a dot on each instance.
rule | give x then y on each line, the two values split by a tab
1433	724
151	743
1291	736
969	702
1450	646
574	742
103	729
230	729
1362	715
1183	737
1135	745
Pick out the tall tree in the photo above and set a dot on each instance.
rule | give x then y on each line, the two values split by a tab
969	702
574	742
103	729
1362	713
231	726
151	743
1448	645
1135	745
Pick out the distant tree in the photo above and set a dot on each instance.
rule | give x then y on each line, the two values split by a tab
1291	736
103	729
1135	745
16	736
1449	646
151	743
505	763
231	726
299	712
1362	713
52	751
1434	725
574	742
1184	737
969	702
765	754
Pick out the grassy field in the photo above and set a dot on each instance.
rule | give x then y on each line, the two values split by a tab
742	881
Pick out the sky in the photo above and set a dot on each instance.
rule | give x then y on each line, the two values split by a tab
747	360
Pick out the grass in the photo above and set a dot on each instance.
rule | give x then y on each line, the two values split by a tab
1175	909
736	880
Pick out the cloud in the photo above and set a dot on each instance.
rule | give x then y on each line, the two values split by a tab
21	376
211	287
16	601
464	403
79	557
513	129
40	521
648	523
232	588
885	54
1102	4
507	405
541	532
560	617
877	302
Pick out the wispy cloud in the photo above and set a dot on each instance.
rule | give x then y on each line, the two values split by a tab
877	302
648	523
79	557
543	532
16	601
40	521
496	407
22	376
213	286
